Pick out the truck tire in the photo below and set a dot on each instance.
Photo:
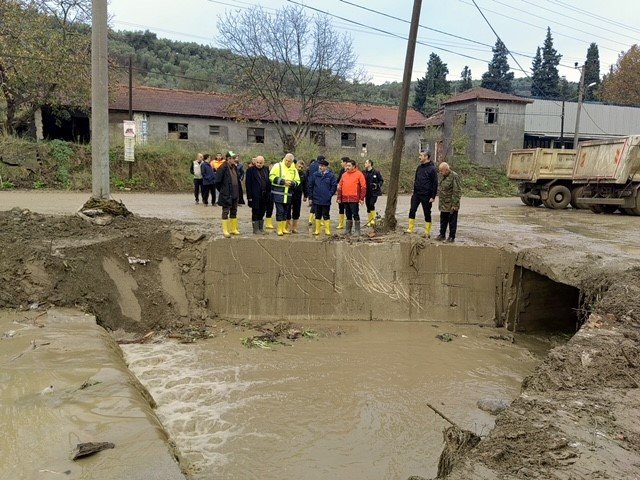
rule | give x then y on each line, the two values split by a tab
559	197
603	208
633	211
576	193
525	200
531	202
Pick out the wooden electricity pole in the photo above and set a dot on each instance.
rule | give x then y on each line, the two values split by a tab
390	221
99	102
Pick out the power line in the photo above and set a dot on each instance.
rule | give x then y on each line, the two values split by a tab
594	16
599	27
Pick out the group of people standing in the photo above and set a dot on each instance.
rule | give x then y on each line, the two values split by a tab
286	184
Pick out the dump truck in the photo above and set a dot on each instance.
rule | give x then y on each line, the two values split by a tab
607	173
544	176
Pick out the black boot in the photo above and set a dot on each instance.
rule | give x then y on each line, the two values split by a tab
348	226
357	227
256	227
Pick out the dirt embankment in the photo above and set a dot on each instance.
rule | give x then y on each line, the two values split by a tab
135	274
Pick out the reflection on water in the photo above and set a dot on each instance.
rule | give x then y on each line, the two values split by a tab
352	406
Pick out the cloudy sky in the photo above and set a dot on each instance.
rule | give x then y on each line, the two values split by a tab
454	29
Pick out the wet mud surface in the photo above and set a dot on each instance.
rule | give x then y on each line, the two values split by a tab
576	416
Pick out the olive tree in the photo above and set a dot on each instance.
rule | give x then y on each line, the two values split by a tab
288	66
45	57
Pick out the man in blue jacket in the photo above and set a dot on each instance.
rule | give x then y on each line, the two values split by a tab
322	187
314	166
425	189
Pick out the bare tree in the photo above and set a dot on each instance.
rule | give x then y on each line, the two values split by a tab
290	66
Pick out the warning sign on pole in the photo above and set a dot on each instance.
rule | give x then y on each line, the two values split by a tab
129	140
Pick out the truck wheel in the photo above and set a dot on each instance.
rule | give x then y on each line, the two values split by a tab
633	211
535	202
559	197
603	208
525	200
576	193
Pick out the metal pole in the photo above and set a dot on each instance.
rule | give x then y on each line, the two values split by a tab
576	133
392	196
562	126
130	105
99	101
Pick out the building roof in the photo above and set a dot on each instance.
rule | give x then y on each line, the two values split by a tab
480	93
435	120
227	106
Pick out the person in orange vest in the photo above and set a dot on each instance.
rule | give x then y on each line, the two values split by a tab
352	190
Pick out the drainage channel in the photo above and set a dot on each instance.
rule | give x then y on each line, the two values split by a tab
414	326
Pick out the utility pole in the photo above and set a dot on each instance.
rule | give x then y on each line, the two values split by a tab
99	101
576	132
130	105
562	126
390	221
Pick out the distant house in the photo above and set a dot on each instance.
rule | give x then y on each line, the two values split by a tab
202	118
492	121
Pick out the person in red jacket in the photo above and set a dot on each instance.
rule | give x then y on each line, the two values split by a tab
352	191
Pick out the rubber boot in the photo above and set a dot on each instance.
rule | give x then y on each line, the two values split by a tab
256	227
286	229
294	226
312	218
280	228
225	228
233	226
372	219
427	230
327	228
318	226
269	223
412	225
357	227
261	227
347	228
341	222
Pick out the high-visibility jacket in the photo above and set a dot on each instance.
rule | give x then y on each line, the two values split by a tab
216	164
278	175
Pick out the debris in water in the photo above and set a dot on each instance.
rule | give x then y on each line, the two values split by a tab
446	337
141	261
9	334
88	384
47	390
493	405
89	448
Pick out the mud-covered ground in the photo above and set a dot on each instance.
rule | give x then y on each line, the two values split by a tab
577	416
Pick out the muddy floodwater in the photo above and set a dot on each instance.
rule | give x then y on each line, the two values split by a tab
347	406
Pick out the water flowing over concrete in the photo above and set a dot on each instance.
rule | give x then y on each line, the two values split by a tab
64	382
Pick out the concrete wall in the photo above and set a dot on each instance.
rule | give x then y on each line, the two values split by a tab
268	279
508	131
234	134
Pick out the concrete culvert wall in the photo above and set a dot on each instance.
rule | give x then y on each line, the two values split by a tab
306	280
540	303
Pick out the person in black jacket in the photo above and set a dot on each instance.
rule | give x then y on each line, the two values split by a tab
258	192
425	189
374	189
208	181
299	193
230	187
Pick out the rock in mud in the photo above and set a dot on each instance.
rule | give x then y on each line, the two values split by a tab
493	405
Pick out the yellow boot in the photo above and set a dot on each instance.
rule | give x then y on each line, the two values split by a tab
312	218
268	223
281	228
286	229
318	227
412	225
233	226
427	230
372	219
225	228
327	228
341	219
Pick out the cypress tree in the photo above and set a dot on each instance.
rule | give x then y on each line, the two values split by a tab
549	84
536	75
466	79
498	77
592	72
432	84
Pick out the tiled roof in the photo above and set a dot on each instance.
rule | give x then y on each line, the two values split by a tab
220	105
480	93
435	120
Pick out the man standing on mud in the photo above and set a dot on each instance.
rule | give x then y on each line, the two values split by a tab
425	188
449	194
258	192
284	179
230	188
352	190
197	177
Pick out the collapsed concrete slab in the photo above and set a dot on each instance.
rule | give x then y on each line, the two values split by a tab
64	383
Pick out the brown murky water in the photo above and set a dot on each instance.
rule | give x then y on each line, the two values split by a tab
352	406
